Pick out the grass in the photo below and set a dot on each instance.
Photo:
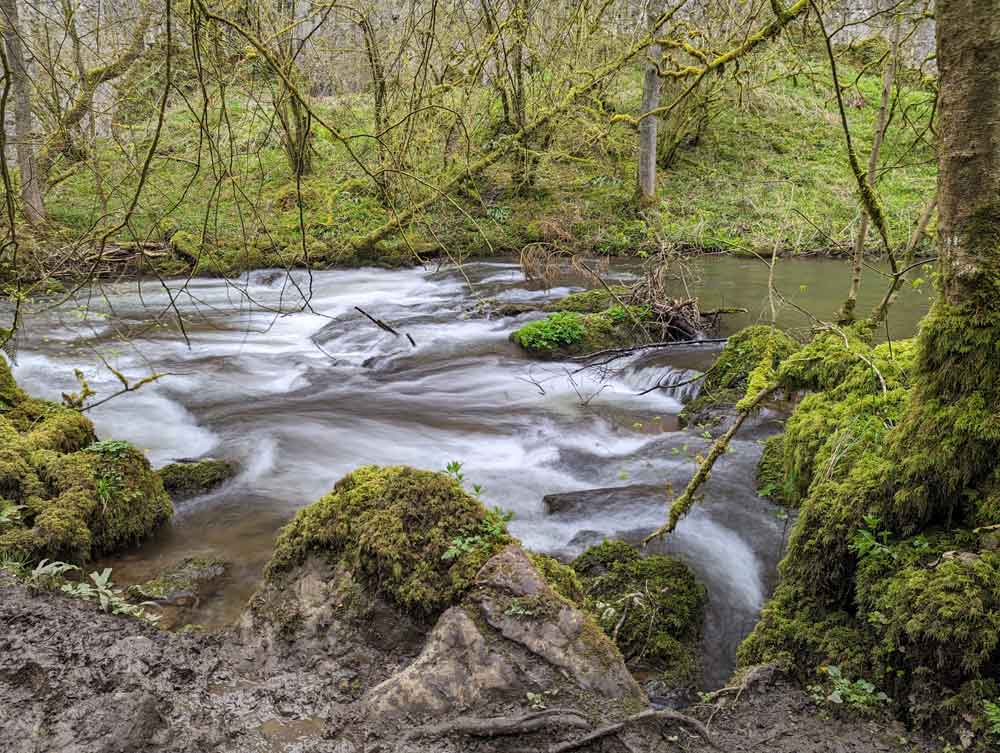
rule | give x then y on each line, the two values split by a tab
770	169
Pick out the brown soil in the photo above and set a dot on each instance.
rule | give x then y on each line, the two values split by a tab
75	680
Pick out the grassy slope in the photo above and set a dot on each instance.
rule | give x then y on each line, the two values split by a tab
771	168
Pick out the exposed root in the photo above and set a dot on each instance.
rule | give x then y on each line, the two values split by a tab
642	716
501	725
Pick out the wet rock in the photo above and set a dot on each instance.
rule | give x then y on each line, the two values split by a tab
511	636
185	479
587	502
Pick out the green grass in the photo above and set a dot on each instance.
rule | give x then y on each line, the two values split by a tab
770	169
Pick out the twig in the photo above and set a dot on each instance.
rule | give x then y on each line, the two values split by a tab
383	326
642	716
503	725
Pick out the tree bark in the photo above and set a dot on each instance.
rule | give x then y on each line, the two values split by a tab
969	152
948	443
648	125
32	191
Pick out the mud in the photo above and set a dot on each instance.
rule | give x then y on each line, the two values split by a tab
75	680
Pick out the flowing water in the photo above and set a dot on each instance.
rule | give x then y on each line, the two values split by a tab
299	396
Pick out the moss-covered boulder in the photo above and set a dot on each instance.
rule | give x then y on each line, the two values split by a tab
421	593
570	333
187	479
751	349
415	537
511	639
184	581
67	496
653	607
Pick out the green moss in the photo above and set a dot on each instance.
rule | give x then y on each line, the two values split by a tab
562	578
554	332
79	498
185	480
10	393
759	349
589	301
415	537
771	478
568	333
653	607
893	461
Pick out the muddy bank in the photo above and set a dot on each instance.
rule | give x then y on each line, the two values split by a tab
75	680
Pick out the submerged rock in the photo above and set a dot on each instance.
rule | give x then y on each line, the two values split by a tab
182	584
191	478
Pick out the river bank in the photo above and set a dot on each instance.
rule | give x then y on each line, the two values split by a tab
75	680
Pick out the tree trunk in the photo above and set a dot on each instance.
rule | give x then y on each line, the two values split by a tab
648	125
32	192
949	442
969	156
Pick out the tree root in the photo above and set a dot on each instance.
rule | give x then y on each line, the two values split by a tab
502	725
642	716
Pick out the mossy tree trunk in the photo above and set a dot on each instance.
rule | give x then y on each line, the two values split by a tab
949	442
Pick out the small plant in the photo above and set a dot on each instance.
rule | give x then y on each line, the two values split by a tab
46	574
492	530
521	608
500	215
14	566
858	695
870	540
113	447
10	514
991	710
537	701
107	596
454	469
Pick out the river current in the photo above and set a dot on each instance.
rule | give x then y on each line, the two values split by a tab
285	376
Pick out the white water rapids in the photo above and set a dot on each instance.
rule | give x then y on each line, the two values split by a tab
301	397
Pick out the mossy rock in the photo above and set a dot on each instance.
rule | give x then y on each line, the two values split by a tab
562	578
415	538
10	393
652	606
889	582
185	580
569	333
68	496
184	480
590	301
757	349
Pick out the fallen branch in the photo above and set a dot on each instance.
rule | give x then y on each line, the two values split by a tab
622	352
642	716
383	326
683	503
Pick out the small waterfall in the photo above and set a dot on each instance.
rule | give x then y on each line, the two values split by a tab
681	384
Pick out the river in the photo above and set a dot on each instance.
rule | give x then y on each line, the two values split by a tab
301	394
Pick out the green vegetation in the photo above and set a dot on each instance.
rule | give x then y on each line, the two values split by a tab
876	581
185	480
568	333
754	349
415	537
765	151
858	695
652	607
64	495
